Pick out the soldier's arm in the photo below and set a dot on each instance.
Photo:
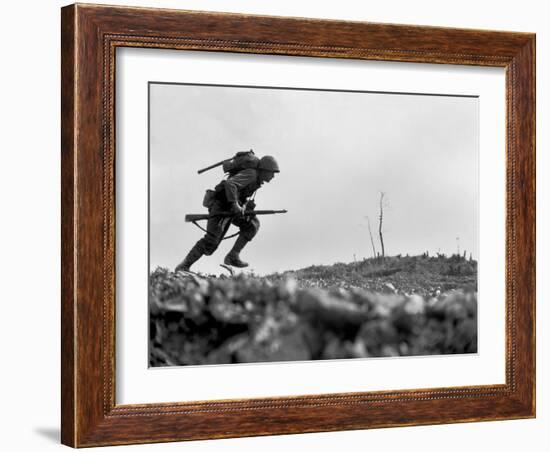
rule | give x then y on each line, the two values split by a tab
238	182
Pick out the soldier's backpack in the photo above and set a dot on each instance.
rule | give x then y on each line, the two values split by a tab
240	161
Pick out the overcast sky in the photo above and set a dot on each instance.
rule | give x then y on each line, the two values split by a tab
337	152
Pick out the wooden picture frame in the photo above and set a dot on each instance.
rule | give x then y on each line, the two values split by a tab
90	36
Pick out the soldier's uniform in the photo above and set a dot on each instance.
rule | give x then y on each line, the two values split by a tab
238	188
230	196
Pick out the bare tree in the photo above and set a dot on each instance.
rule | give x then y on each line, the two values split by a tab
371	239
381	218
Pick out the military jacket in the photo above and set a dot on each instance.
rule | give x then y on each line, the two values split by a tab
238	188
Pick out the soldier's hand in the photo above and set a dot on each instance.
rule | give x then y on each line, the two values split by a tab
250	205
237	209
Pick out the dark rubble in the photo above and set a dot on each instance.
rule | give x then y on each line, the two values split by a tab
219	320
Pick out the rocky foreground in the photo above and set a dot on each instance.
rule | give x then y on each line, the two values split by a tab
218	320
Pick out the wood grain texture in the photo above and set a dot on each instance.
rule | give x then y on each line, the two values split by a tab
68	147
90	36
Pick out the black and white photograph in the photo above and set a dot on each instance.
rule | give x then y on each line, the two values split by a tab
260	226
291	224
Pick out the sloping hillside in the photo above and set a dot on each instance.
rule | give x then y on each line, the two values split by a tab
421	275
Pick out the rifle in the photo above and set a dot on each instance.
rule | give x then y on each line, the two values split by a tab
221	162
246	213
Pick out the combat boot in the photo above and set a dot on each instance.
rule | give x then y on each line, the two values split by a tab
233	257
193	256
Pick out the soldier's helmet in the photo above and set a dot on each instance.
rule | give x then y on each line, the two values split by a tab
268	163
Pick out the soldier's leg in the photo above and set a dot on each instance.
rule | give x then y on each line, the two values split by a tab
248	229
193	256
216	229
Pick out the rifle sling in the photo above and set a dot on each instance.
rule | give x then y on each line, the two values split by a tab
208	232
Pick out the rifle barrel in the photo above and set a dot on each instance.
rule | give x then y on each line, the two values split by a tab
212	166
206	216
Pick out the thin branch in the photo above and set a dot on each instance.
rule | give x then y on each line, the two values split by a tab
371	239
381	219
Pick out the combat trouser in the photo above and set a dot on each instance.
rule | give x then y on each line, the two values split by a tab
217	228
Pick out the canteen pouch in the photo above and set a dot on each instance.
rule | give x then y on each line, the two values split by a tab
209	198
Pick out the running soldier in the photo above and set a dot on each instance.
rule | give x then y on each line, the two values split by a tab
234	195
